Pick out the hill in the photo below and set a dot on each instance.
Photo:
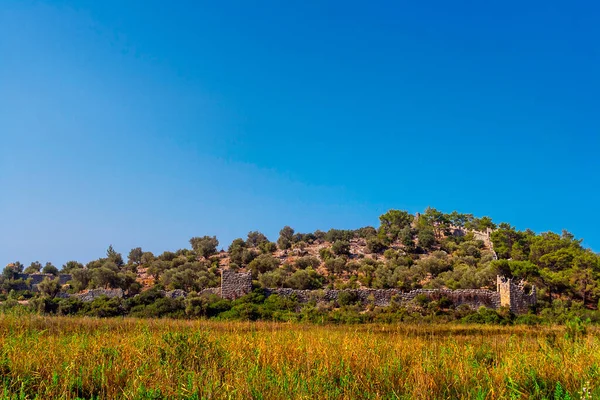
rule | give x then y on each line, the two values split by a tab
430	250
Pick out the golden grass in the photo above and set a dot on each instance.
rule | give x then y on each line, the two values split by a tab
71	357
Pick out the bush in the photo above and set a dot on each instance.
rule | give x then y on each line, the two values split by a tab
268	247
486	316
164	307
346	298
341	247
325	254
263	263
104	307
70	306
272	279
375	245
305	279
426	238
336	265
307	261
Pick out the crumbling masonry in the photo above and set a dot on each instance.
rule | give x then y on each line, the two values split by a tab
513	296
508	293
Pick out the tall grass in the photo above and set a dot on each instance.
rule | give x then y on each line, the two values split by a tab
62	357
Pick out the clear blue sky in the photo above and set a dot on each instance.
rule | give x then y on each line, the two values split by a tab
144	123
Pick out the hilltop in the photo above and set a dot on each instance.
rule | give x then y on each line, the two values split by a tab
432	250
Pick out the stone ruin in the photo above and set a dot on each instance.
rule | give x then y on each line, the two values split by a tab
513	295
32	280
508	293
235	284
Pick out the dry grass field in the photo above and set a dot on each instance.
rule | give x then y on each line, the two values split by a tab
68	358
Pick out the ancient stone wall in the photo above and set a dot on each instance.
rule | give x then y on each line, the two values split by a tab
235	284
92	294
474	298
510	294
177	293
36	279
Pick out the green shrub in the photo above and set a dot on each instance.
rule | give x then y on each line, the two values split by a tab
341	247
346	298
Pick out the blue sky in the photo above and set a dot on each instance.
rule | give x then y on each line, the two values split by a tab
144	123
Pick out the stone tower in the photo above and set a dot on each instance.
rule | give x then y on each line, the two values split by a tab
513	296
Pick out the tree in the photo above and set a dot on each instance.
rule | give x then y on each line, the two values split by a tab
406	237
341	247
334	235
11	271
168	256
435	219
426	238
50	269
336	265
286	235
17	266
147	258
189	277
70	266
305	279
268	247
393	221
49	287
204	246
307	261
255	239
126	280
325	254
480	224
34	268
510	243
366	232
263	263
157	268
80	278
114	257
459	219
135	256
273	279
104	277
375	245
239	253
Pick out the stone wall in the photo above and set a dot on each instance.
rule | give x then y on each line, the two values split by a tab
36	279
510	294
174	294
474	298
235	284
93	294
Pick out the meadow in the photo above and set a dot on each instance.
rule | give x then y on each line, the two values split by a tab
81	357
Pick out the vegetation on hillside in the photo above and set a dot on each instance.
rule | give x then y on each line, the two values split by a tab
430	250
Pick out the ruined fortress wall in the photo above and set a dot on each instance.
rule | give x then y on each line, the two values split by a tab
509	294
512	295
474	298
93	294
36	279
235	284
